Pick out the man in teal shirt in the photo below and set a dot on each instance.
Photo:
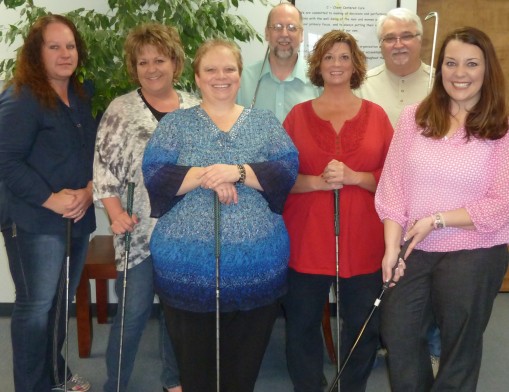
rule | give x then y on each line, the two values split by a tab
283	79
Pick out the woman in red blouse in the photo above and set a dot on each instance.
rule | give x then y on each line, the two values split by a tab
342	142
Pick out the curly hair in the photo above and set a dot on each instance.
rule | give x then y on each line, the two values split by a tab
487	119
30	63
324	44
164	38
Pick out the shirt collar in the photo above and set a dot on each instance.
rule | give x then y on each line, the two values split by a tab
299	71
422	68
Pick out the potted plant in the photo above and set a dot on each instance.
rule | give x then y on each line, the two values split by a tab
104	34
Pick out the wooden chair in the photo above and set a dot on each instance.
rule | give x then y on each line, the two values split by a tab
505	283
327	333
99	265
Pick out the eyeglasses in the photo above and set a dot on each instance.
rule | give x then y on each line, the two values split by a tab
404	39
291	28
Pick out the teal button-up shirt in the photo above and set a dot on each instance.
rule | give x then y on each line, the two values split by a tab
273	94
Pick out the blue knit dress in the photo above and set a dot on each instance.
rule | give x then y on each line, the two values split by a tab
253	238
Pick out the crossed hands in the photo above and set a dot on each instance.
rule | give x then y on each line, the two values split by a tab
70	203
336	174
221	179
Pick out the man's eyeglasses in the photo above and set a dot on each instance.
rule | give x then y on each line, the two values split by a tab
291	28
404	39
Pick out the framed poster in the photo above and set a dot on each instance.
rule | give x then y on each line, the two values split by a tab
357	17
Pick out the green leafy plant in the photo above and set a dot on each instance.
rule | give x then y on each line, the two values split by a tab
104	34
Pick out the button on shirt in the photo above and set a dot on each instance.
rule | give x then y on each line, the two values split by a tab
393	92
42	151
276	95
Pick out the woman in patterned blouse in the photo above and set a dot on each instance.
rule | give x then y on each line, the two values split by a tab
154	59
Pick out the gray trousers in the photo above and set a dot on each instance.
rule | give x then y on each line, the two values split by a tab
459	289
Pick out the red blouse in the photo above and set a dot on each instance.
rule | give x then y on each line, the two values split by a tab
362	145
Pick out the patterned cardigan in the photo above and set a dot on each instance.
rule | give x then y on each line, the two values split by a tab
124	130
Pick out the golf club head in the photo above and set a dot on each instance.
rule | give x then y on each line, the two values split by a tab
432	14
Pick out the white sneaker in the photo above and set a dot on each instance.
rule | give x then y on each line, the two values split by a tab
74	384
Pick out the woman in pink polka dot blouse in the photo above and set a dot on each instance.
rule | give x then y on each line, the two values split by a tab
445	186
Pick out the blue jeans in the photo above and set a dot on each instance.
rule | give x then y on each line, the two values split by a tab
434	340
36	262
138	307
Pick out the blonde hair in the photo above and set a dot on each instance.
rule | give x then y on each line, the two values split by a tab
213	43
165	38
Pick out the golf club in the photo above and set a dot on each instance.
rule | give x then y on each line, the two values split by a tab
129	209
68	236
217	237
338	321
376	304
433	14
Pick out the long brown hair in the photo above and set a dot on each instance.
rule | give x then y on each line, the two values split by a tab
30	70
488	118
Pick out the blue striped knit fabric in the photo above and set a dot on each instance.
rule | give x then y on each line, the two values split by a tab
253	238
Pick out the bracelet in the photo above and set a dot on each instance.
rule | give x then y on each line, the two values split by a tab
242	174
438	221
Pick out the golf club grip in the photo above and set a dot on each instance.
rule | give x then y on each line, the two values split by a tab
401	255
404	248
68	234
129	209
217	222
336	211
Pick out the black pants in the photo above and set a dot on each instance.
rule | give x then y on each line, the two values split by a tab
458	288
244	336
307	294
